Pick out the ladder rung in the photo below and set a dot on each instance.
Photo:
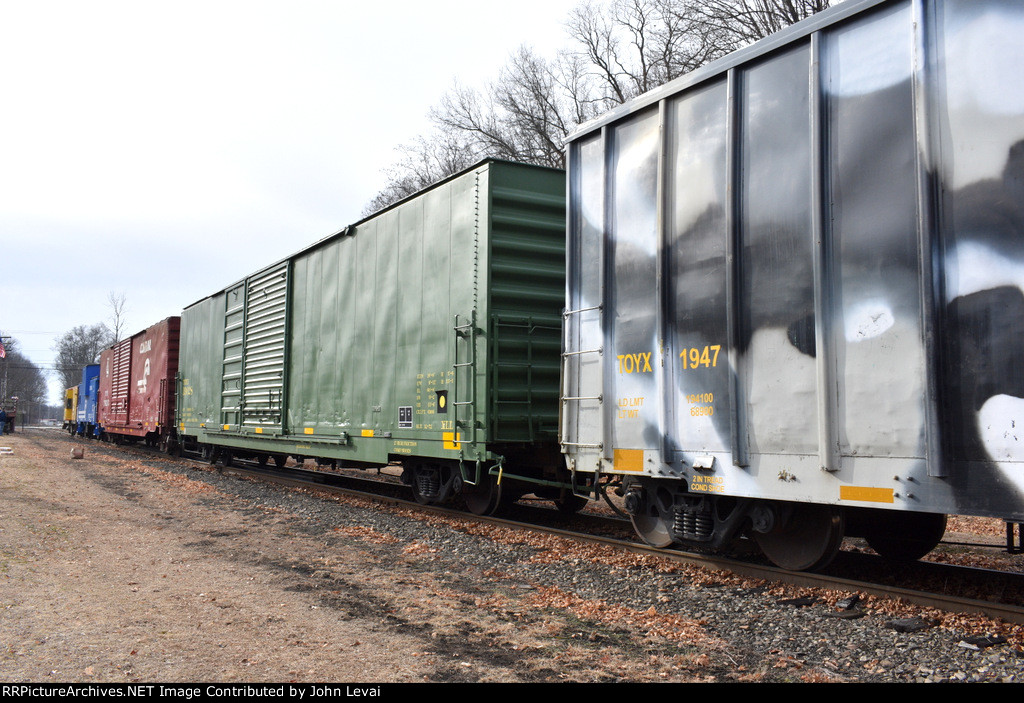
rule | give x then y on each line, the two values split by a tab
576	312
599	350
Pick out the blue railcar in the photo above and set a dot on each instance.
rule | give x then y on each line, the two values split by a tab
87	424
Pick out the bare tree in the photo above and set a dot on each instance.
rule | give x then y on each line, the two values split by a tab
19	377
745	21
632	46
523	116
116	301
535	109
425	161
77	348
619	49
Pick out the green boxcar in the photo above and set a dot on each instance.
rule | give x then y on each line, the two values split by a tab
428	333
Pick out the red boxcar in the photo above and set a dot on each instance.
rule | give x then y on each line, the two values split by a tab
137	383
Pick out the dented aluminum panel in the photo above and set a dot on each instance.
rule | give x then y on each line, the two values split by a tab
797	273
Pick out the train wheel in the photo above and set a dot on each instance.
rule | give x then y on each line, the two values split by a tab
652	517
905	536
809	539
483	499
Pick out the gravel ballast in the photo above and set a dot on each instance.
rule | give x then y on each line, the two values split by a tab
119	567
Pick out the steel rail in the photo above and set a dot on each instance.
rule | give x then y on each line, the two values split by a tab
306	478
1002	611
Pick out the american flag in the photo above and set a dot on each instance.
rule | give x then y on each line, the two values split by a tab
3	352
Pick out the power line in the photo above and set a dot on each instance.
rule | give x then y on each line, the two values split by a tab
29	332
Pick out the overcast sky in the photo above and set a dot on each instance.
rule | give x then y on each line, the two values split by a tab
166	150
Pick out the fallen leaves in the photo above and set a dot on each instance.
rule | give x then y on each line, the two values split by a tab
668	626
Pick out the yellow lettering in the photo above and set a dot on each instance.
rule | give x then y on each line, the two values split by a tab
697	357
635	363
629	408
707	484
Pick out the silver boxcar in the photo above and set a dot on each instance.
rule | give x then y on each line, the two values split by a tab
806	308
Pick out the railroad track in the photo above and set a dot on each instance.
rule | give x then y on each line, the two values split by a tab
940	585
946	581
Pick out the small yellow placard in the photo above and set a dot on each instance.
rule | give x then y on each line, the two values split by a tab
628	460
866	494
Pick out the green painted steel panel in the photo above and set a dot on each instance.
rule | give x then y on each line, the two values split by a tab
430	329
527	292
199	386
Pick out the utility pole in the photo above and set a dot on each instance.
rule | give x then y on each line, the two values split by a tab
4	343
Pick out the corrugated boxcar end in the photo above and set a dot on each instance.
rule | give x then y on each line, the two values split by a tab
527	271
794	281
376	344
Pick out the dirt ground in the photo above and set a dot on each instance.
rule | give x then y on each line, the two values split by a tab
124	567
110	584
115	569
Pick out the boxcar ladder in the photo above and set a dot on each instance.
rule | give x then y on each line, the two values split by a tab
468	332
567	382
